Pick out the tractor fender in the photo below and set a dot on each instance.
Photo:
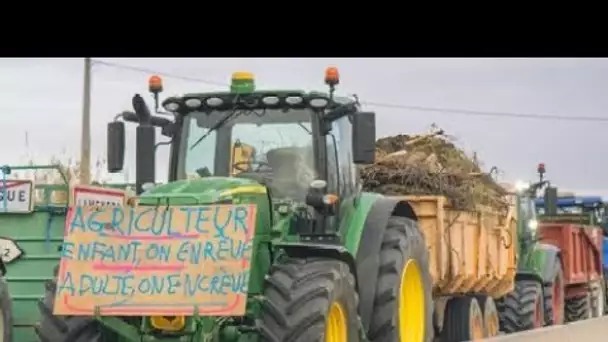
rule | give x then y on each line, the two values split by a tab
367	257
320	250
542	260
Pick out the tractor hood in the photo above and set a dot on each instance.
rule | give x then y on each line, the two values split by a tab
199	191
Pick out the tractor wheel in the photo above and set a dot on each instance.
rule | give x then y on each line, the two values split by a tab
522	309
491	321
63	328
463	320
578	308
310	300
598	298
403	307
554	297
6	313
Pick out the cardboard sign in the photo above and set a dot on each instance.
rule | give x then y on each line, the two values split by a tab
97	196
18	196
134	261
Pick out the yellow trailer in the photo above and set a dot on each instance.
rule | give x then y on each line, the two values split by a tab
472	260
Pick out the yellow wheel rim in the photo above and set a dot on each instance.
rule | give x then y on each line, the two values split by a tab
335	328
492	324
478	333
411	304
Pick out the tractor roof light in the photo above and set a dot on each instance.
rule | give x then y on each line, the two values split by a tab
172	104
332	76
155	84
242	82
541	168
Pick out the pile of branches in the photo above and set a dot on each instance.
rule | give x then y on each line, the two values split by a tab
430	164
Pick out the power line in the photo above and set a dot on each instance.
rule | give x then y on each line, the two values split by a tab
379	104
486	113
156	72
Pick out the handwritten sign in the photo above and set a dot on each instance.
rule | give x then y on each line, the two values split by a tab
97	196
16	196
134	261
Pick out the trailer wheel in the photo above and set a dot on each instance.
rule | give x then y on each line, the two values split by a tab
522	309
6	313
491	321
463	320
598	298
578	308
554	297
310	300
63	328
403	306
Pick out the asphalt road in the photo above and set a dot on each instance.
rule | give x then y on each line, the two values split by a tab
591	330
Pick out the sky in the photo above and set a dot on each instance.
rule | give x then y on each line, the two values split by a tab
42	105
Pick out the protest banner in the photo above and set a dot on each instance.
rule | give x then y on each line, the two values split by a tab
137	261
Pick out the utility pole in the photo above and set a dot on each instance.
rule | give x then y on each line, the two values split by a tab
85	142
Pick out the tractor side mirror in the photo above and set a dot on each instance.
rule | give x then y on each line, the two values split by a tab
364	137
116	146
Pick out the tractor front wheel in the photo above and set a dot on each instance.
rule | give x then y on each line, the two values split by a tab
403	307
554	297
522	309
63	328
310	300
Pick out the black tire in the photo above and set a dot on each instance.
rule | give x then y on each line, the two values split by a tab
578	308
63	328
522	308
298	297
598	298
402	242
557	276
6	305
462	315
491	320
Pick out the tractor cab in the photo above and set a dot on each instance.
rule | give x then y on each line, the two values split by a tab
285	140
526	212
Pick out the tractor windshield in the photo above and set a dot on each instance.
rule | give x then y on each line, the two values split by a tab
272	146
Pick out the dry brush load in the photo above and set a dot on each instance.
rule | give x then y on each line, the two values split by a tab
430	164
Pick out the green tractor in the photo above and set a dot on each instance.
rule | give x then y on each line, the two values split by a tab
329	262
538	297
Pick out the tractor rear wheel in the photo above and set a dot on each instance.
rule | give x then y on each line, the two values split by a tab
63	328
403	307
598	298
463	320
310	300
522	309
554	297
578	308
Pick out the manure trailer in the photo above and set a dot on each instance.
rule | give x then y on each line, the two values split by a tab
307	256
574	227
